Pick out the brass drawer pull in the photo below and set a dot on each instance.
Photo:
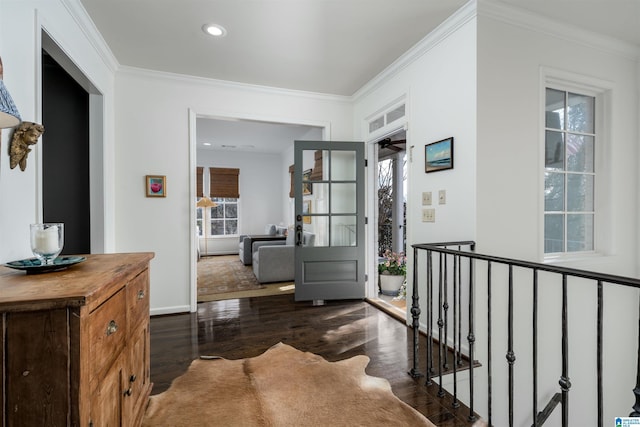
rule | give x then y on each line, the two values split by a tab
112	327
140	294
132	378
129	392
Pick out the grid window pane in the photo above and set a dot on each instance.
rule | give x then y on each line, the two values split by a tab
553	191
217	227
217	211
579	193
579	232
555	102
231	227
553	233
580	154
343	231
231	210
580	113
554	150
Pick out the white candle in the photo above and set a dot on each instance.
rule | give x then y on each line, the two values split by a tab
46	240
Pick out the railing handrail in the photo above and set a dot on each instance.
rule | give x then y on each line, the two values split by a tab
438	289
586	274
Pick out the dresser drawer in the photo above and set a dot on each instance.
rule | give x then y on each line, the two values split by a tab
107	332
138	300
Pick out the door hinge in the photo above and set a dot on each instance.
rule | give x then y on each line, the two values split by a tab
366	163
366	277
366	220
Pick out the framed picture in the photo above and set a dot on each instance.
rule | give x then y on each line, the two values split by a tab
156	185
438	155
306	210
306	183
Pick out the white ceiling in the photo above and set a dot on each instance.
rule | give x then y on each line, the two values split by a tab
326	46
250	136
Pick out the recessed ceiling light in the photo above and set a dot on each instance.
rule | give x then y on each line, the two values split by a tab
214	30
206	143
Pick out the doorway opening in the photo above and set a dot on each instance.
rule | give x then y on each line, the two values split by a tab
71	188
391	226
262	153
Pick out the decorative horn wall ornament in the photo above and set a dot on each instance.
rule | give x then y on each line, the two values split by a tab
9	115
27	134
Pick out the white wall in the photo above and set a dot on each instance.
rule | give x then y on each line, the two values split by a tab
20	29
439	85
440	88
511	58
260	185
152	134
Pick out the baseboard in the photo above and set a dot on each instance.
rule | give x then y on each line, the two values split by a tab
170	310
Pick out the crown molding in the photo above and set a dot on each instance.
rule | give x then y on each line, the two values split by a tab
459	18
88	28
227	84
534	22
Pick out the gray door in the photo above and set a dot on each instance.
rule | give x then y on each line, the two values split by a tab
329	220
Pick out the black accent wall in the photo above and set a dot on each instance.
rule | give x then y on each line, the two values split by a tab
65	116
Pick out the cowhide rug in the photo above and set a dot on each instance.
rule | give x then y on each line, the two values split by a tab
281	387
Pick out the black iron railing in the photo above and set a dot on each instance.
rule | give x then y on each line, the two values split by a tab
448	273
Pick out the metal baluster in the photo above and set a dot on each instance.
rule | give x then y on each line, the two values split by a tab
415	313
564	382
471	338
599	350
430	369
445	306
535	347
456	259
429	346
459	304
511	357
489	360
636	391
440	324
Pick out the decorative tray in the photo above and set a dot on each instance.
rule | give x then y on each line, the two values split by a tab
33	265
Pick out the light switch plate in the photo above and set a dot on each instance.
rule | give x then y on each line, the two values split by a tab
429	215
426	198
442	197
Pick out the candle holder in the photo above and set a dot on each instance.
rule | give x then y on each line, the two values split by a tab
47	241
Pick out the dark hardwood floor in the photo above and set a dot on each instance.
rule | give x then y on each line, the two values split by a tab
247	327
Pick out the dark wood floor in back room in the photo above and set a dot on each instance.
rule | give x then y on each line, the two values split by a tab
338	330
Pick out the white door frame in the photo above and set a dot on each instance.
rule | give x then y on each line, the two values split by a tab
193	115
372	207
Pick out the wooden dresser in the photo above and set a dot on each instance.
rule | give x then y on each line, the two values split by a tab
75	343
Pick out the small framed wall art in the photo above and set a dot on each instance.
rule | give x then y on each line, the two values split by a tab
438	155
307	186
156	185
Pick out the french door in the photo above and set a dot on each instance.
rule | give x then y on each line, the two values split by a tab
329	230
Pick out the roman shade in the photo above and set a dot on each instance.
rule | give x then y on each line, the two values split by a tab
316	173
223	182
199	181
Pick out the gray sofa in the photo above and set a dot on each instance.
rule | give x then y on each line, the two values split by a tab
245	249
275	262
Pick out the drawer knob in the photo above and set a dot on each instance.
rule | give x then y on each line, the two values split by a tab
129	392
132	378
112	327
140	294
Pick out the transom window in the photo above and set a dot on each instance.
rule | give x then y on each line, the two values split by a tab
569	175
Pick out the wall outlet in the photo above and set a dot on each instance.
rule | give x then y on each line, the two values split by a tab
442	197
426	198
428	215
